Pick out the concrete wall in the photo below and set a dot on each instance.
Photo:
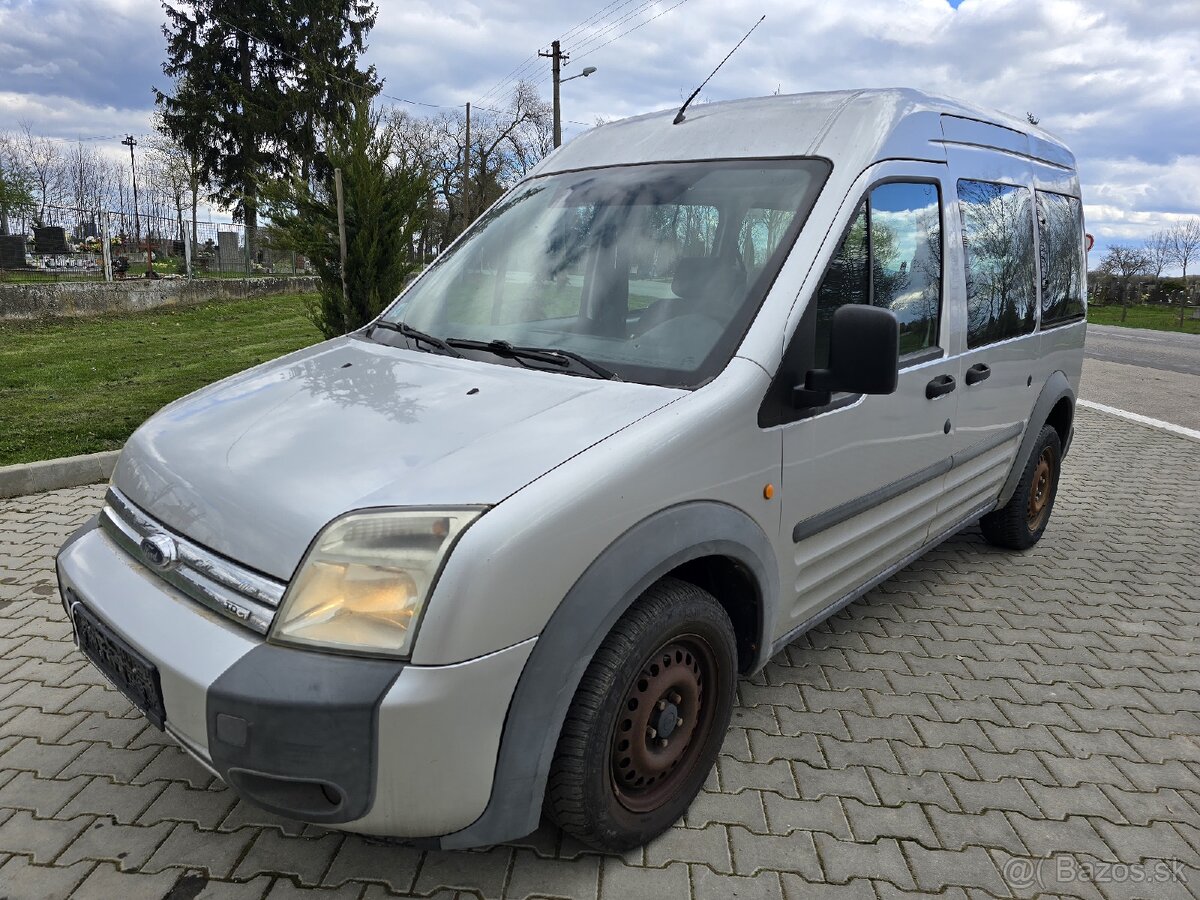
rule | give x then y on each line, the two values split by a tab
31	301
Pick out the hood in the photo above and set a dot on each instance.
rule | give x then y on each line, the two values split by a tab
255	465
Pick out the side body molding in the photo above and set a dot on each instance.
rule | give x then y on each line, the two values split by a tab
608	587
1055	388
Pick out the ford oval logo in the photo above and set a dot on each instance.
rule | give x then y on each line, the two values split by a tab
159	551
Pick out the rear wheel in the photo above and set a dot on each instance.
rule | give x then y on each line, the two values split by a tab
1020	523
647	720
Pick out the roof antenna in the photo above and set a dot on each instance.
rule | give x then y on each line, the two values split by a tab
679	117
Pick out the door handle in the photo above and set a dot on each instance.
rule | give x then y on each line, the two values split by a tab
977	373
940	386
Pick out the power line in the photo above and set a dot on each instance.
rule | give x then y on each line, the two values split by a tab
532	62
351	83
589	46
600	33
633	29
517	72
514	77
596	16
76	140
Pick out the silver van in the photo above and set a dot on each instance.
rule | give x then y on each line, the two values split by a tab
684	392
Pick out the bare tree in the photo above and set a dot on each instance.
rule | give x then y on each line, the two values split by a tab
89	181
43	160
1160	252
183	173
1185	241
505	145
533	137
1125	262
178	178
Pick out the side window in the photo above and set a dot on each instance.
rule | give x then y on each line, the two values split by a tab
906	259
1060	245
847	280
998	241
891	256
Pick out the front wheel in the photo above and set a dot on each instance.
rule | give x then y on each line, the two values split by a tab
1019	524
647	720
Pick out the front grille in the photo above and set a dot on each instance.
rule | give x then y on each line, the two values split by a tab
228	589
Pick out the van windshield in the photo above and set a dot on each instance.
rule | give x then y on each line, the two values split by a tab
653	272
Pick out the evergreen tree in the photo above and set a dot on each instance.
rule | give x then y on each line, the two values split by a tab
385	208
263	78
16	189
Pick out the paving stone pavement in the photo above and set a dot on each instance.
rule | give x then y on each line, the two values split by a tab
984	724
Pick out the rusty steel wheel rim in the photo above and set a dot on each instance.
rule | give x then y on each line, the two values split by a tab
666	718
1040	489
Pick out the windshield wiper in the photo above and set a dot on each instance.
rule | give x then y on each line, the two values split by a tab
600	370
417	336
551	355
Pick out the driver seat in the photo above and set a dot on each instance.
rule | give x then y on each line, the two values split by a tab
708	285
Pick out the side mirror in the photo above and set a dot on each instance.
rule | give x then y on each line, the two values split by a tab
864	356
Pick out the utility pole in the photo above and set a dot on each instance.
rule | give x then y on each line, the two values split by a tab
341	216
137	222
466	189
557	58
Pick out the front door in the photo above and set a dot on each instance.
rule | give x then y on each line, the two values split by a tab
862	476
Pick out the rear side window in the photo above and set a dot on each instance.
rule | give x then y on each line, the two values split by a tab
998	242
1060	245
891	257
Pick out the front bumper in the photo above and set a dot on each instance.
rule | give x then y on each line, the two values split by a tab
367	745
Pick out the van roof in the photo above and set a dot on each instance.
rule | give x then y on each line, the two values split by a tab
854	128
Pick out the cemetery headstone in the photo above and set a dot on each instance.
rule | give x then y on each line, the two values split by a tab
51	239
12	251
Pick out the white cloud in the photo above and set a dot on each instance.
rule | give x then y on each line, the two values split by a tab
50	68
1111	77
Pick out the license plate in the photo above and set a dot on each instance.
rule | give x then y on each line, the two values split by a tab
130	672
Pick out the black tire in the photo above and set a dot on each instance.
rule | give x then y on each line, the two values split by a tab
675	639
1020	523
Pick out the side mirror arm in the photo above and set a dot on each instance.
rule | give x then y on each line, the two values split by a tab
805	398
817	390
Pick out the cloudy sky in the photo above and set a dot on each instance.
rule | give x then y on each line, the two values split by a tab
1117	79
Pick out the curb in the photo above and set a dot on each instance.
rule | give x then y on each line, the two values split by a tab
52	474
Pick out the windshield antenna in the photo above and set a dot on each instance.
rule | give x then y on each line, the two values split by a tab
679	117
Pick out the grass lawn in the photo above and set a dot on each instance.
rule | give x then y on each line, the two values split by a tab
70	386
1159	317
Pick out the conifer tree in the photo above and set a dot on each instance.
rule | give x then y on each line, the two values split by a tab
264	78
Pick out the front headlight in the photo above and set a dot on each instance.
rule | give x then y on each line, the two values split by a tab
366	578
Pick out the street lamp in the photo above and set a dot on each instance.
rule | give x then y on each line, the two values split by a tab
557	60
558	103
584	74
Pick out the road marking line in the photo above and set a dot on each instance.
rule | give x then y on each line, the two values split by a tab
1143	420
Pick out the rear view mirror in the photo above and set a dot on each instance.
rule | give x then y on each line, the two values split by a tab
864	356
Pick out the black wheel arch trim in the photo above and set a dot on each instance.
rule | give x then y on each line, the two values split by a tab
607	588
1055	389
